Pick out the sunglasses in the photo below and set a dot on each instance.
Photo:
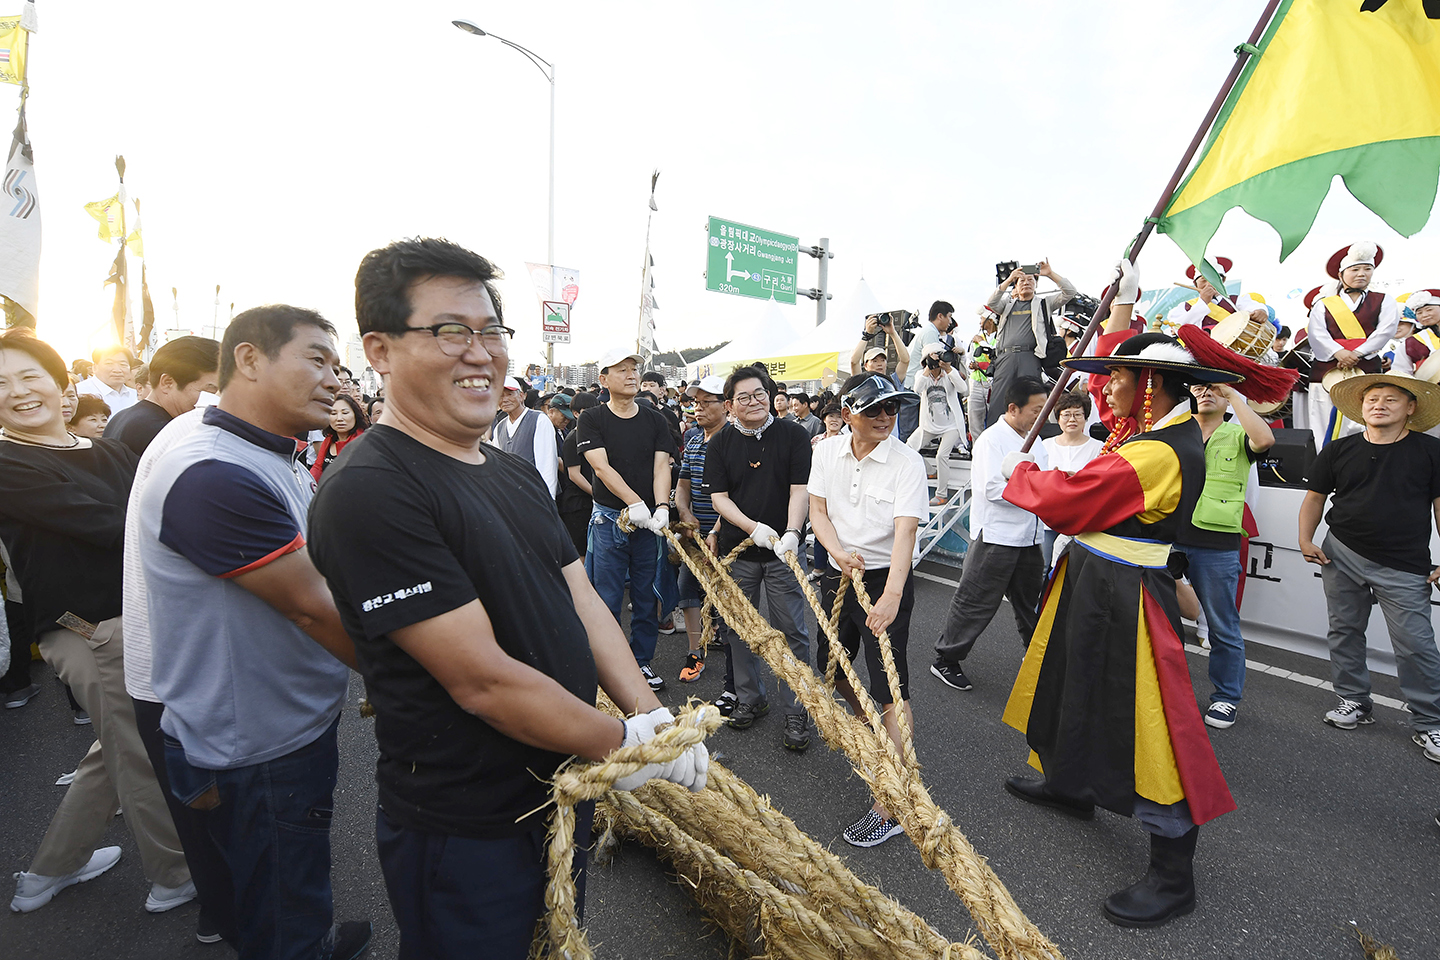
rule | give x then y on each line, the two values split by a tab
888	408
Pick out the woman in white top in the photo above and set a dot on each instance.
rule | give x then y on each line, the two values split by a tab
942	416
1072	449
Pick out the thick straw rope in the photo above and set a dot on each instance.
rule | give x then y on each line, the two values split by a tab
805	898
785	890
894	779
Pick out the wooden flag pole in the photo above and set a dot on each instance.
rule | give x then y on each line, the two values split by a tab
1243	53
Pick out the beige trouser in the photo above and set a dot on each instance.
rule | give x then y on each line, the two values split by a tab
115	773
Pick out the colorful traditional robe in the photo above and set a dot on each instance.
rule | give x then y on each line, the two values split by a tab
1104	696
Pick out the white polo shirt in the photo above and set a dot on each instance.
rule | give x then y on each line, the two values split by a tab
116	400
991	515
863	497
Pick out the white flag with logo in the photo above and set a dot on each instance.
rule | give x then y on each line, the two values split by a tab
20	225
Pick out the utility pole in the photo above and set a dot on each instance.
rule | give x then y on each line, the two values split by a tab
820	294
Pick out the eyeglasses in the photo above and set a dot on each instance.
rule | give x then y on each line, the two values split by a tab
759	396
455	338
1072	413
886	407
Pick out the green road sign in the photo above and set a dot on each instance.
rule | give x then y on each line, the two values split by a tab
750	262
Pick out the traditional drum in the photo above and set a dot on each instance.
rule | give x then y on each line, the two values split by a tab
1244	334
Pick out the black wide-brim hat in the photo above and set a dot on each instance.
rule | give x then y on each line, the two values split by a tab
1153	351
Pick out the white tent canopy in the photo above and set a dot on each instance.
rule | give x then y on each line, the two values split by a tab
767	331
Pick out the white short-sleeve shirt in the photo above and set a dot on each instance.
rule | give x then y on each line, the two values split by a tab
863	497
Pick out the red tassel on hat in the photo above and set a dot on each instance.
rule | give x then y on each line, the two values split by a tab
1263	383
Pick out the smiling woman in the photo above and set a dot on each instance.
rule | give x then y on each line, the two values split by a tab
63	511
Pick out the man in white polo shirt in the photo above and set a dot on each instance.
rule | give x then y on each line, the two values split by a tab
867	498
107	380
1004	559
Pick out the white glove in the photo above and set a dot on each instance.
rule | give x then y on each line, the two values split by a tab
763	536
1012	460
789	543
638	514
690	769
1127	281
659	521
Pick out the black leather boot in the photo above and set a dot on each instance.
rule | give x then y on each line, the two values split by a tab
1036	792
1165	892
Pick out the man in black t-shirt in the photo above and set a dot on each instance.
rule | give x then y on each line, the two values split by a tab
1385	489
576	499
479	637
629	447
756	471
180	371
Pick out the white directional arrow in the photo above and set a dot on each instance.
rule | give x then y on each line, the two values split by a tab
730	272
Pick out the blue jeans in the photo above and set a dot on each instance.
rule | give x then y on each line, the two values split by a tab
667	584
271	822
461	897
611	557
1215	575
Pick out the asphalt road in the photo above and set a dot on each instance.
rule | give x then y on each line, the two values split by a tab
1333	826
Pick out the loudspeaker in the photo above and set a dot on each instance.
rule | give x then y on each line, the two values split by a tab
1287	464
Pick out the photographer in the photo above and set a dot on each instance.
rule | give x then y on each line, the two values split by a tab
1025	329
982	362
942	417
864	353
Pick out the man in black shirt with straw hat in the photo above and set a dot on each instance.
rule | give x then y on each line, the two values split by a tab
1384	485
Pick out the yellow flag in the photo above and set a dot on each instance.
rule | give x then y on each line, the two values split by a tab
12	50
135	245
111	215
1334	87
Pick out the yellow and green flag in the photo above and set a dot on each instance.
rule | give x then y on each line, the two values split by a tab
1348	87
12	50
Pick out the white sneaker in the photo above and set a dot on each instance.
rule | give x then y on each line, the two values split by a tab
33	891
161	898
1350	714
1430	740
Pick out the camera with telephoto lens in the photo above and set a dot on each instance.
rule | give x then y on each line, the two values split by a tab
947	355
899	320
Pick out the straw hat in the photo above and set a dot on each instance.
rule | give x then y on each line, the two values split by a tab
1348	393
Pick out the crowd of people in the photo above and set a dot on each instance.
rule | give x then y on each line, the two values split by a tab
467	544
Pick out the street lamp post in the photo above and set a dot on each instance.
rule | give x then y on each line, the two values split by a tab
548	69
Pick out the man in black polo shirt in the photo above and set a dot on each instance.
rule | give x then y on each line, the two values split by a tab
1385	488
180	371
479	637
756	471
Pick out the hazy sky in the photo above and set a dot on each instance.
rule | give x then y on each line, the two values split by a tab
272	145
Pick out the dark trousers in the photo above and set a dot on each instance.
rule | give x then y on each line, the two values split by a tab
22	634
992	572
853	632
207	865
458	897
272	823
577	524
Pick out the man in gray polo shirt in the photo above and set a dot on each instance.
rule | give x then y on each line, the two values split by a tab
249	656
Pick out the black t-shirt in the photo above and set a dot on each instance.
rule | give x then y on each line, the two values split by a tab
757	474
403	533
570	498
62	517
1383	496
629	444
671	421
137	425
